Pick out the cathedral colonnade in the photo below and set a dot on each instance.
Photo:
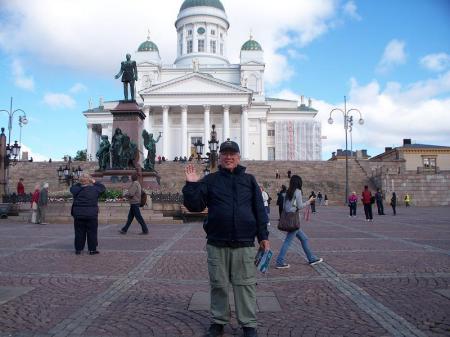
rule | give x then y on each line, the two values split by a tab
191	121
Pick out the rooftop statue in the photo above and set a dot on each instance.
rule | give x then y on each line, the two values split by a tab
129	73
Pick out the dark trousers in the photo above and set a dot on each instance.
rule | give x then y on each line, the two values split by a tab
86	228
135	212
368	211
393	209
280	209
313	207
352	207
380	207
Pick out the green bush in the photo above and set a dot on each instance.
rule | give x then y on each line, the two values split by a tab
110	194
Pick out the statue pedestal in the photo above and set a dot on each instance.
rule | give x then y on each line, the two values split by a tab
121	179
128	117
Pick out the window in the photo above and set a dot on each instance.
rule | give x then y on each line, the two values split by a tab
221	35
212	46
189	46
271	153
271	133
429	163
190	32
213	32
221	49
201	46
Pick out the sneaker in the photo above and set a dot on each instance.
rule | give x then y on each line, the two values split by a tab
316	262
282	266
249	332
94	252
122	232
77	252
215	330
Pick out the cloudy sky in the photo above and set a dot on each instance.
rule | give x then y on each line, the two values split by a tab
390	58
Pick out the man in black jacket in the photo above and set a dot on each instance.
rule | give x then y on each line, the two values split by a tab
236	215
85	213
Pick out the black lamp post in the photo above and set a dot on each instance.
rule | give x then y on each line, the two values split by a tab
12	152
213	144
69	174
348	120
199	149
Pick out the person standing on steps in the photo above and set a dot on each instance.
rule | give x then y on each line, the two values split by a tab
134	197
236	216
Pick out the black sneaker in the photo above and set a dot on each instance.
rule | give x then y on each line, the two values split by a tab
250	332
122	231
215	330
78	252
316	262
94	252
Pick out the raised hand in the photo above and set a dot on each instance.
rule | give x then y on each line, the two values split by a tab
191	174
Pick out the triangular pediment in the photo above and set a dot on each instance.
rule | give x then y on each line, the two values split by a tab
195	83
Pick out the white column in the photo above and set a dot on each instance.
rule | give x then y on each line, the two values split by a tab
263	138
244	131
165	135
90	141
184	134
206	126
226	122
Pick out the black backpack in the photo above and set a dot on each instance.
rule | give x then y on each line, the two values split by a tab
143	199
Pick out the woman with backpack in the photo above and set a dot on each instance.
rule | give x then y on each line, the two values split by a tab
292	202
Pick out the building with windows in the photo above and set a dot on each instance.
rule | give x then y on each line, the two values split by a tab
420	158
201	87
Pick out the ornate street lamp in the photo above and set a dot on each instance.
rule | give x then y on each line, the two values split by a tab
69	174
199	149
11	113
213	144
348	120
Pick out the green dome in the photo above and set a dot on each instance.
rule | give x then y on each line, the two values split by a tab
148	46
196	3
251	45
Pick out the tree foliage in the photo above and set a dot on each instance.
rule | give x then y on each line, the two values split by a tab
81	155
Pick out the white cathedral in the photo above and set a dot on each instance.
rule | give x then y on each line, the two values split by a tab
201	88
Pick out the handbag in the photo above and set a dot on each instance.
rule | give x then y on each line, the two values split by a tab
289	221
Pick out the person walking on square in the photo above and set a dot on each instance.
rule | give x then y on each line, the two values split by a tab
352	203
134	197
367	202
325	200
319	198
292	202
236	215
20	187
34	204
379	200
85	213
312	196
394	202
42	204
280	199
407	200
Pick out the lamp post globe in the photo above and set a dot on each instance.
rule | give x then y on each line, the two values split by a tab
361	121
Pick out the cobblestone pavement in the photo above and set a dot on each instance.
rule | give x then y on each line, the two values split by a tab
390	277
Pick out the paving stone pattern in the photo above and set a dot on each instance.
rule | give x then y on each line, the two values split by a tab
390	277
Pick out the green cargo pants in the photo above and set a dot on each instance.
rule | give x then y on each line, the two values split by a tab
236	266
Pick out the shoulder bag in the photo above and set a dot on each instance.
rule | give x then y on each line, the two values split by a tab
289	221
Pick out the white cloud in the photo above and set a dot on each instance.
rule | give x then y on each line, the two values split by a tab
58	100
418	111
36	156
70	34
21	80
77	87
394	54
351	10
436	62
